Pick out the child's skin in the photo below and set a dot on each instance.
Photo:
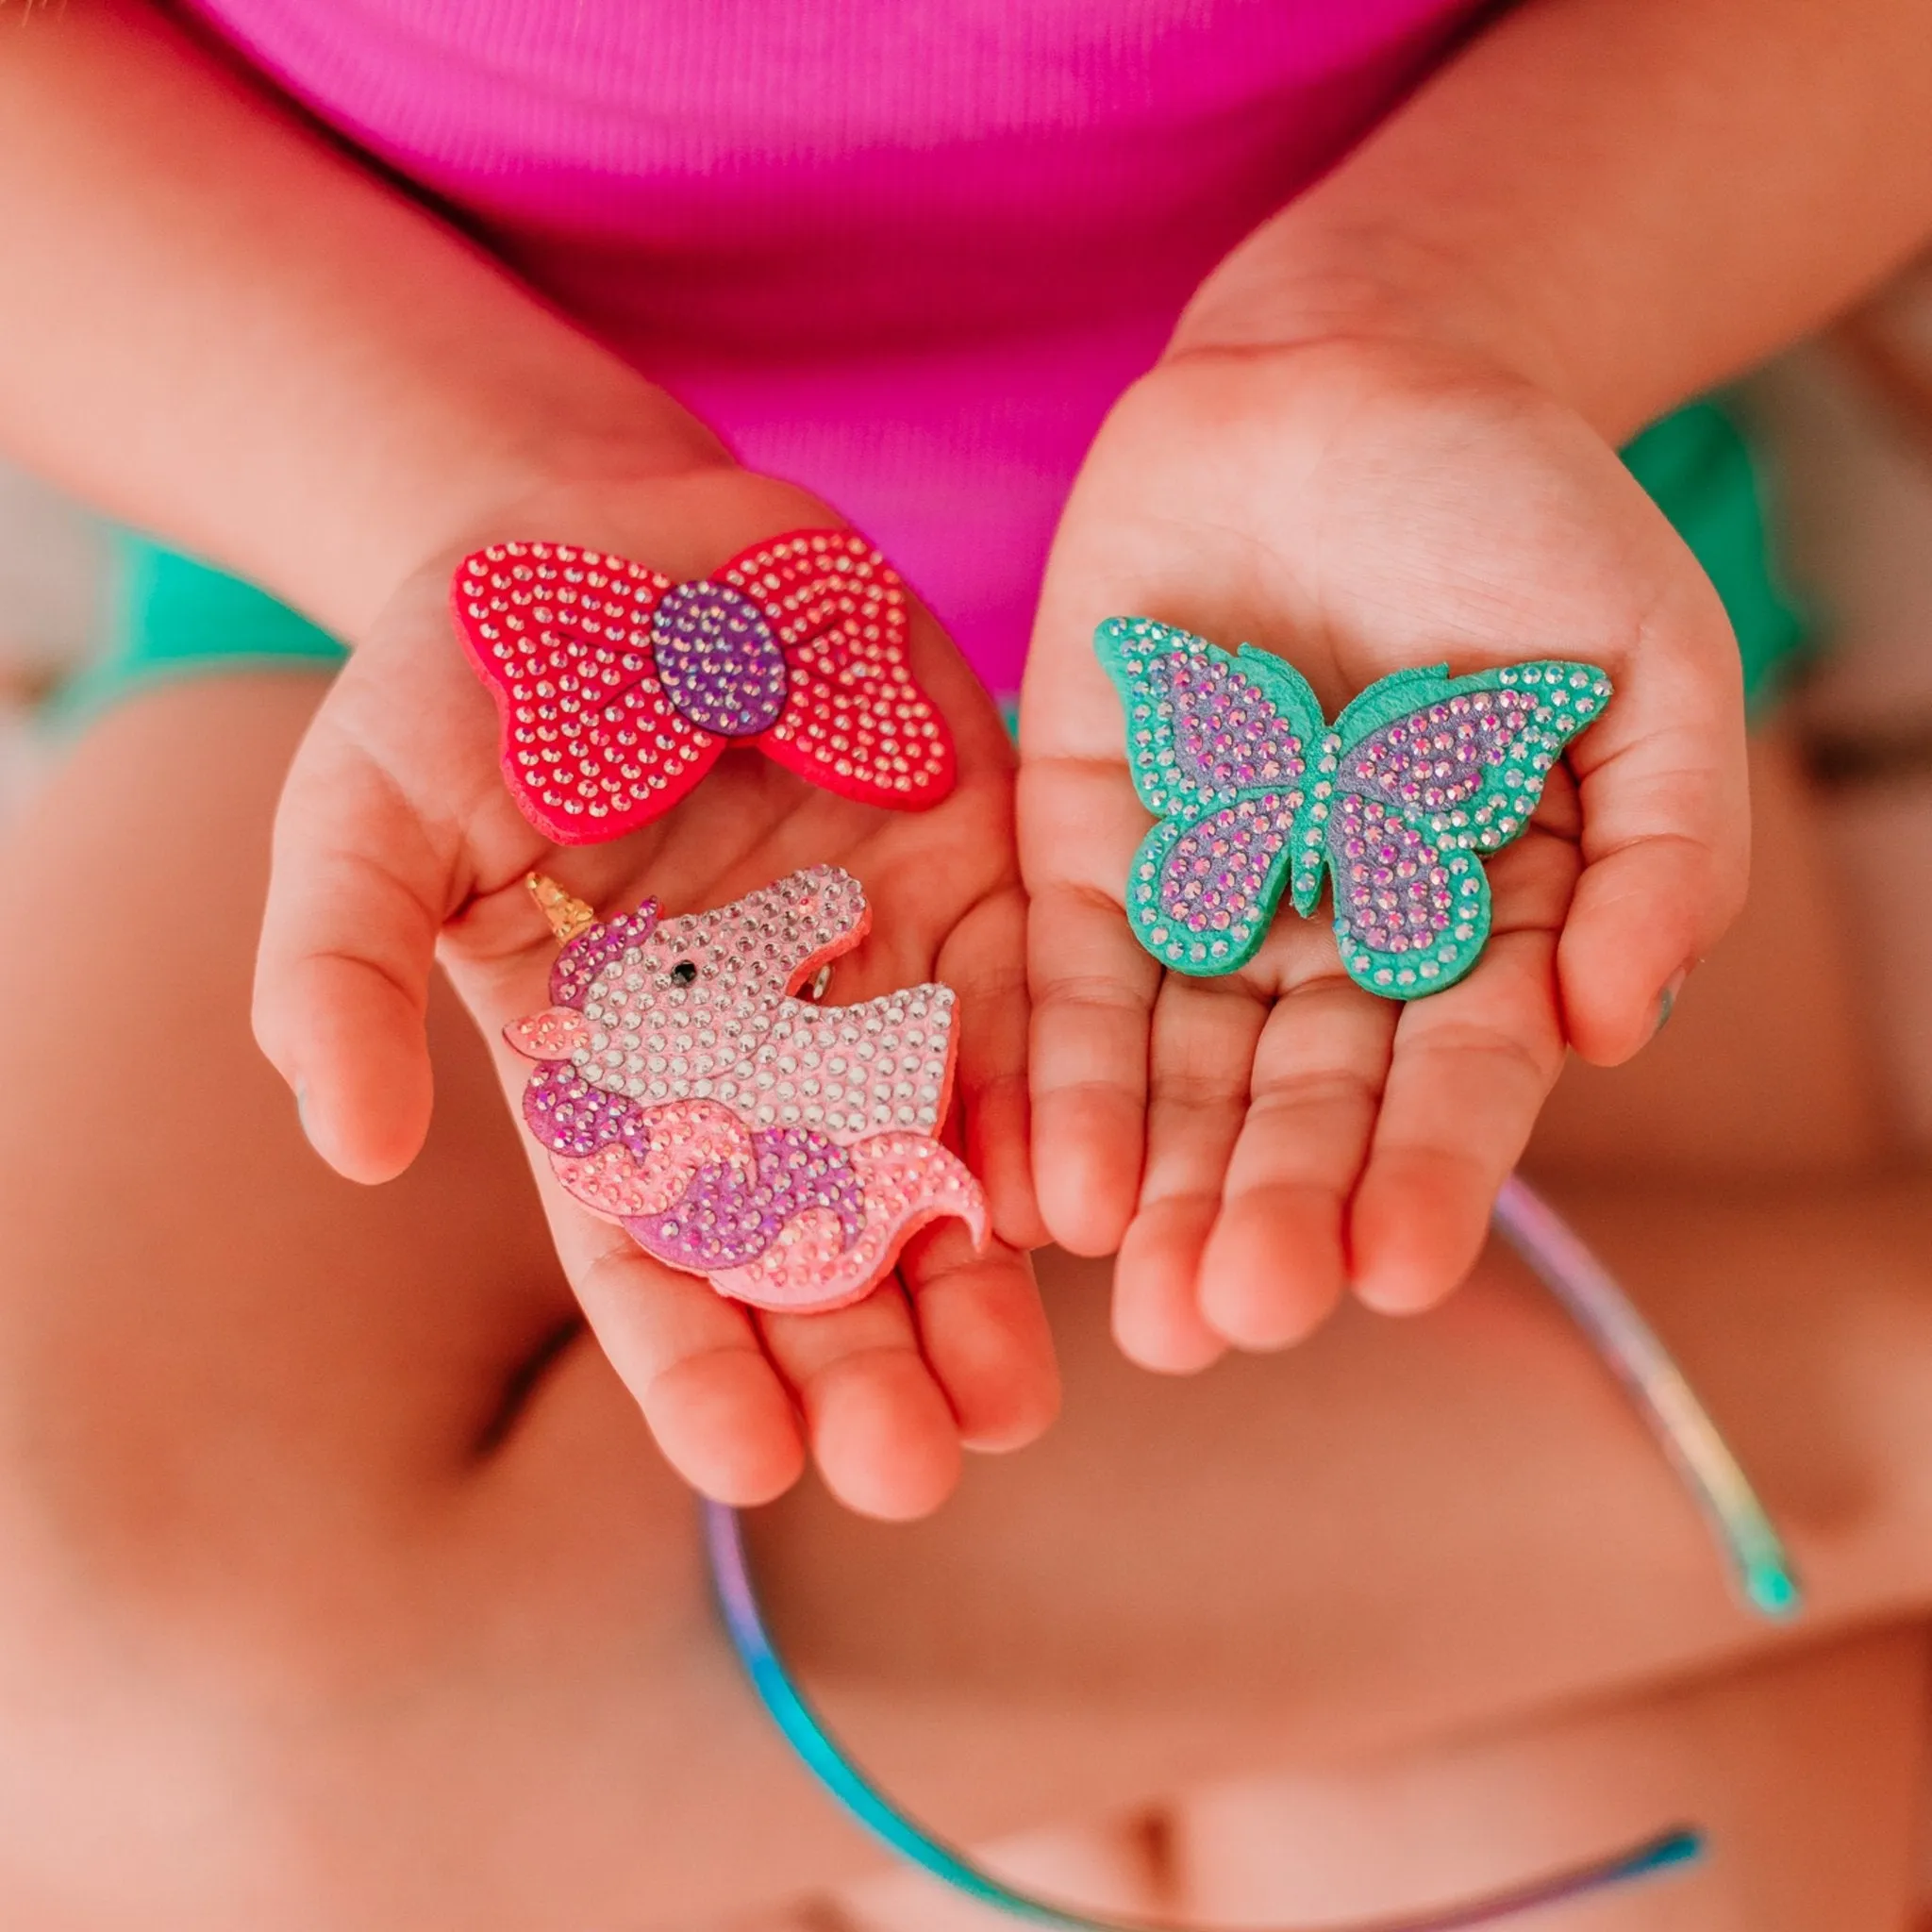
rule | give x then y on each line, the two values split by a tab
1383	431
1381	438
436	405
340	1591
397	842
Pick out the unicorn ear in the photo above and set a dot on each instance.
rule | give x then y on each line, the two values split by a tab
827	897
554	1034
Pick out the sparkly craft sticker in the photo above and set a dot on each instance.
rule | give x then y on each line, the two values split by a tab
782	1149
618	690
1257	795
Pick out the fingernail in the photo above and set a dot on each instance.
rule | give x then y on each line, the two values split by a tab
302	1112
1667	1000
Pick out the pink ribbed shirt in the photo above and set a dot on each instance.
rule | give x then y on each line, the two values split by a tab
904	251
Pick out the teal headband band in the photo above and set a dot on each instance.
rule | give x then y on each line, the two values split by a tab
1669	1406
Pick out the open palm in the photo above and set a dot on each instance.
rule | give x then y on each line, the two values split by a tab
1253	1143
397	843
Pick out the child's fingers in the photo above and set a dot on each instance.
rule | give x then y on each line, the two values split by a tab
1666	840
357	895
985	1336
1643	916
1156	1314
1205	1033
881	1432
1470	1069
984	963
1092	987
690	1359
1275	1264
1094	990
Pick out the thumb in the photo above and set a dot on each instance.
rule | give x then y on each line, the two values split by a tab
358	892
1666	845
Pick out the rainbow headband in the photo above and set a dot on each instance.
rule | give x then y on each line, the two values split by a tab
1745	1538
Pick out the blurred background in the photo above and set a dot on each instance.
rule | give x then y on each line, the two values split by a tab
1844	428
56	590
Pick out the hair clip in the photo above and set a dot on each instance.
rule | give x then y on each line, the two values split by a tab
784	1150
1397	801
618	690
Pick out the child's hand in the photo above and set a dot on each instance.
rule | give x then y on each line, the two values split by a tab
397	841
1251	1144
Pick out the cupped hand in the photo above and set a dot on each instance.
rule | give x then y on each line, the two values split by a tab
397	843
1252	1144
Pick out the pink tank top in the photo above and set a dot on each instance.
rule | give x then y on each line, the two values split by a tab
903	252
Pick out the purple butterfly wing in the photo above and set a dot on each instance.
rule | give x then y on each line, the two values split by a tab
1201	893
1217	745
1436	762
1433	771
1410	917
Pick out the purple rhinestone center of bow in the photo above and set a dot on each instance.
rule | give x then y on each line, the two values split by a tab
718	660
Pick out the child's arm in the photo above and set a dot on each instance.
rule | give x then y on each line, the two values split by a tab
221	327
224	329
1383	437
1622	202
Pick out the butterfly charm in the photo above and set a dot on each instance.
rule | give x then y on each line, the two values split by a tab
1397	801
782	1149
619	690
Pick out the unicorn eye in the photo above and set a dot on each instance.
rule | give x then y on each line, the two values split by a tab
684	972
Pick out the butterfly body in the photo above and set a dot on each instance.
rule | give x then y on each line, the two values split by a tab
1259	798
619	690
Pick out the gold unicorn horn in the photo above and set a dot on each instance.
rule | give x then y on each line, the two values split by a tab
568	916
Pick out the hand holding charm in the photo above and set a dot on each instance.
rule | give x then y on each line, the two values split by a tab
401	850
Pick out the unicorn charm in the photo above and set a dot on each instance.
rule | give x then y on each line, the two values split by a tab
784	1150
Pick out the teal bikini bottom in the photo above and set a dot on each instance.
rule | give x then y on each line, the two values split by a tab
180	618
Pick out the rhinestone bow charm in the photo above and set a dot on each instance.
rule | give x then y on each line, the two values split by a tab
618	690
782	1149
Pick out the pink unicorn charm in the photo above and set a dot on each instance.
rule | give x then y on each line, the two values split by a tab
781	1149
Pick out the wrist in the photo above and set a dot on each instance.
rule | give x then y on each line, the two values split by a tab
530	472
681	512
1301	280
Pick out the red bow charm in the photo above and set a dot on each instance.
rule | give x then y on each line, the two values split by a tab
618	690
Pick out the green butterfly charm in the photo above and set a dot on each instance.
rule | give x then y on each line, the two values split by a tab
1257	793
